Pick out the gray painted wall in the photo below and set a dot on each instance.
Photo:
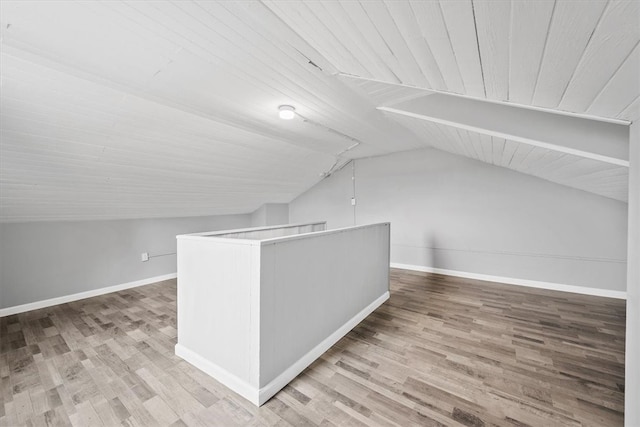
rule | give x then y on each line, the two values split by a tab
329	200
270	214
455	213
632	364
42	260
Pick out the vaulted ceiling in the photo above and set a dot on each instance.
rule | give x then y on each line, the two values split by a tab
157	109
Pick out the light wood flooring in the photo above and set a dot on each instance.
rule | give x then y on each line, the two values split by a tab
441	351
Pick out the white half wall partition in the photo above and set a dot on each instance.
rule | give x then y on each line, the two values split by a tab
257	306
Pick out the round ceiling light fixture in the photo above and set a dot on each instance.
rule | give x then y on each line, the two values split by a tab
286	112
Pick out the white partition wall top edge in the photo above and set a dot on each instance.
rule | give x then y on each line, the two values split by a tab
227	235
231	241
219	235
319	233
243	230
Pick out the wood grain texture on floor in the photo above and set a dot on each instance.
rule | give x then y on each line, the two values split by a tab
441	351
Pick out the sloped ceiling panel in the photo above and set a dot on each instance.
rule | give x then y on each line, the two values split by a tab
71	153
156	109
577	172
598	177
565	55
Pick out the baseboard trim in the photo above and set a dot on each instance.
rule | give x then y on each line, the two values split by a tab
518	282
220	374
259	396
82	295
275	385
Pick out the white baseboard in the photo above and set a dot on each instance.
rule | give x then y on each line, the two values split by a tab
259	396
301	364
518	282
82	295
240	386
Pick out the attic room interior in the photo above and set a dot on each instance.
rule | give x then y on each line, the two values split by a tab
320	213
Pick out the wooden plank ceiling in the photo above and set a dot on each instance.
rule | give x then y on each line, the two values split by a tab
565	57
576	56
157	109
601	178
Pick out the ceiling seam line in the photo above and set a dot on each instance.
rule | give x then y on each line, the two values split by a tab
544	51
475	27
595	98
400	68
296	33
404	40
586	47
446	28
426	42
509	51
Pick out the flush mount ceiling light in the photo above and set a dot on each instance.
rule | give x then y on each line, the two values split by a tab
286	112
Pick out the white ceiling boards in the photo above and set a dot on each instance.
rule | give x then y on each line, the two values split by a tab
584	173
605	142
139	109
157	109
558	55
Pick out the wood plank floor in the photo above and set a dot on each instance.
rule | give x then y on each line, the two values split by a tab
441	351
